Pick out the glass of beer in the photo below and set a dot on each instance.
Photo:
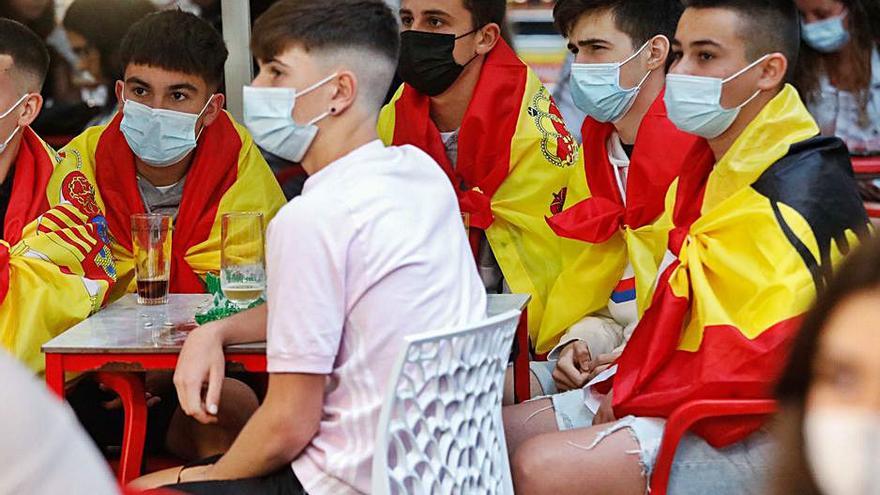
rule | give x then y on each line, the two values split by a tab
151	246
243	258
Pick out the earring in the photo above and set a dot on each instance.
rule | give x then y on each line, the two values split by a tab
333	110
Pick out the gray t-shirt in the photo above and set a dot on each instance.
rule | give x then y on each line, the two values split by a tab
164	199
487	265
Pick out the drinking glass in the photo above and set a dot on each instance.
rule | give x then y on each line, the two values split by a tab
151	247
243	258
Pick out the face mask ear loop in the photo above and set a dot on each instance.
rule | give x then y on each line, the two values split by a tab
634	55
200	116
317	85
741	72
318	118
15	105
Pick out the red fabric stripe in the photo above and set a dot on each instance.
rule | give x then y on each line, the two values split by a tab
63	235
91	243
33	168
658	156
213	171
485	135
4	272
625	285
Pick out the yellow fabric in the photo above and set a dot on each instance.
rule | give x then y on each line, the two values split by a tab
526	249
591	271
255	189
43	301
737	266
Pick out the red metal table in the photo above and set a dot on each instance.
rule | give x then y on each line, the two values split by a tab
120	343
126	339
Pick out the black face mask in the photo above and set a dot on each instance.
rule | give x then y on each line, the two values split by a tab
426	61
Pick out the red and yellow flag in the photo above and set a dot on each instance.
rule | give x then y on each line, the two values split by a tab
605	230
55	266
515	157
227	174
753	238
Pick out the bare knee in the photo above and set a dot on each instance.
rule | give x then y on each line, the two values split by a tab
529	466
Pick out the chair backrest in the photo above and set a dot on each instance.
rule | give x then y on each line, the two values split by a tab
440	430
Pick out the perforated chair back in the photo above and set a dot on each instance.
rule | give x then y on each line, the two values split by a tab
440	430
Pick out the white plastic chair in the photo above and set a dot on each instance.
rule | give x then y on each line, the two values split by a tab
440	429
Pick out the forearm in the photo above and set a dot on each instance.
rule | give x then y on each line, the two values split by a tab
245	327
259	449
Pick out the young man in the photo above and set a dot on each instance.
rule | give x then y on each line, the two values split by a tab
484	116
363	238
55	268
632	152
172	149
758	221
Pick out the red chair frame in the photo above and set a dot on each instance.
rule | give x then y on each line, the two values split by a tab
683	418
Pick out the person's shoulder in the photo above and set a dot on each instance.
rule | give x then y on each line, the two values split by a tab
415	159
310	210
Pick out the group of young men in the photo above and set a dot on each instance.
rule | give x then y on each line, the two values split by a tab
680	243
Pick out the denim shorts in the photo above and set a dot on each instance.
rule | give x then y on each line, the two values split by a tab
698	469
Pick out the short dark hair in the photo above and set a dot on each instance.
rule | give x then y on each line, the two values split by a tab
367	29
103	23
317	25
860	273
770	26
29	53
485	12
176	41
641	20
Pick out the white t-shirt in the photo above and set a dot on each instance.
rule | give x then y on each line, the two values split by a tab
373	250
43	448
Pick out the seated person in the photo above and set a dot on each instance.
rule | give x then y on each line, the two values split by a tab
829	428
94	28
171	131
55	268
759	220
631	155
839	69
170	149
485	117
370	270
839	74
43	449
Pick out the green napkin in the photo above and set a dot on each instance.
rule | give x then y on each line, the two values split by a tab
220	307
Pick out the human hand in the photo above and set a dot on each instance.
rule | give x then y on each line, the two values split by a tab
572	368
602	363
605	414
201	362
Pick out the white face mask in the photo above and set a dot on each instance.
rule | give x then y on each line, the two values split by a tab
826	36
595	89
268	115
8	140
843	450
157	136
693	103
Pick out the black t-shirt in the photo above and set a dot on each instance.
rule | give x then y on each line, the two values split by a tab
5	194
628	149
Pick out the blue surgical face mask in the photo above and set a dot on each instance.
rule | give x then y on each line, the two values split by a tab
5	114
596	89
268	115
157	136
826	36
693	103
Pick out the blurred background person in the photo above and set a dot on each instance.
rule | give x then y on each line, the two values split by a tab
829	425
94	29
61	113
839	70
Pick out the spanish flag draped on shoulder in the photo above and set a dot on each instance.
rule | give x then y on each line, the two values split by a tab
607	231
55	266
754	237
515	156
227	174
